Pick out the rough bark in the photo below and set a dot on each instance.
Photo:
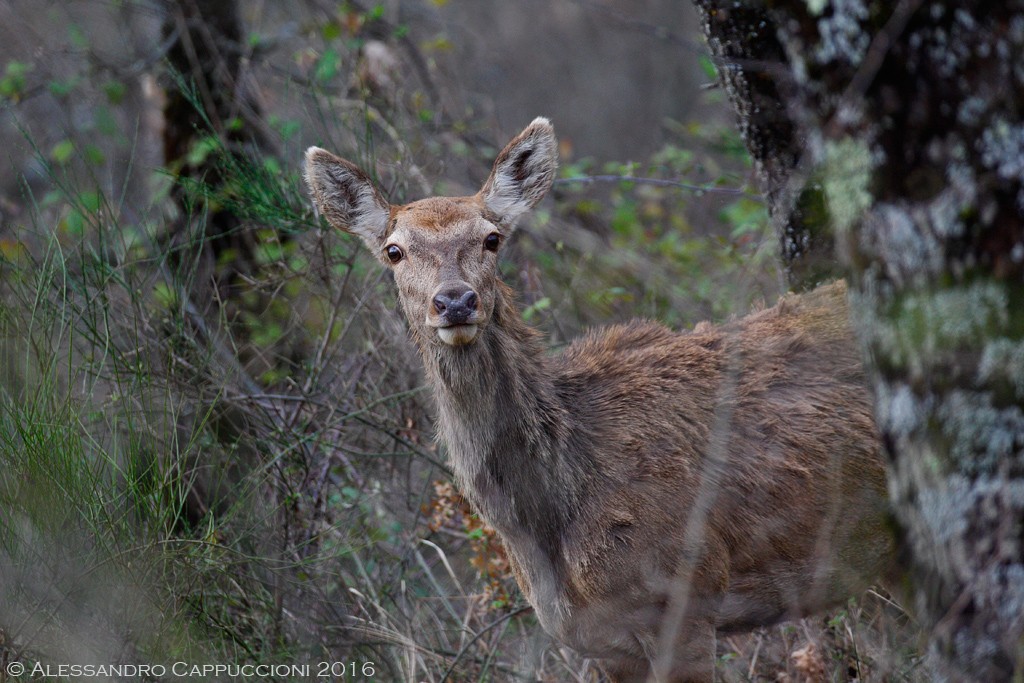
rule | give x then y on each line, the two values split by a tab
912	121
751	63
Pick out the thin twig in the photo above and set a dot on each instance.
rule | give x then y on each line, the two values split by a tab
657	182
485	629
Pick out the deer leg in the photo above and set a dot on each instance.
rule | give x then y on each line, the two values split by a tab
631	670
692	660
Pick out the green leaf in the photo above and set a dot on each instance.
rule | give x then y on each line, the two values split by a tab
114	90
62	151
12	85
541	304
77	37
90	201
74	223
269	252
327	66
61	88
744	216
289	128
708	67
94	155
202	149
165	296
105	121
330	31
626	222
272	166
267	334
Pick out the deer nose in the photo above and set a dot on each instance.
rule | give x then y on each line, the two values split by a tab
455	306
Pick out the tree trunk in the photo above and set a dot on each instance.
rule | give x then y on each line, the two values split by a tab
910	151
751	63
213	122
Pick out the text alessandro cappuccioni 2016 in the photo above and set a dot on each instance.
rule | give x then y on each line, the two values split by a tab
181	669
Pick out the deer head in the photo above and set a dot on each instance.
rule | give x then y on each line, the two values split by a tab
442	250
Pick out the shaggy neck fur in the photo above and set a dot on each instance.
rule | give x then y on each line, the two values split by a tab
508	434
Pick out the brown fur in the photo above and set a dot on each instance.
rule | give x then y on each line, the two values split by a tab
652	487
436	216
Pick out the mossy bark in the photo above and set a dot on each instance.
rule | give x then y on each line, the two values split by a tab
911	126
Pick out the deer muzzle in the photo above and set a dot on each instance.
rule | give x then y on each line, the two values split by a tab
457	312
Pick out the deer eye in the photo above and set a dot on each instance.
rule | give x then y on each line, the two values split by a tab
394	253
492	241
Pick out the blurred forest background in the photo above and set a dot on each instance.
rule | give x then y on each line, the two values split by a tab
215	445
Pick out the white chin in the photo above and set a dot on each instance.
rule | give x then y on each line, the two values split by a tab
457	335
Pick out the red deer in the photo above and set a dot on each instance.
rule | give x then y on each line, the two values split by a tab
651	487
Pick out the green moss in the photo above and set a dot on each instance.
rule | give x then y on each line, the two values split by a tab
812	260
813	208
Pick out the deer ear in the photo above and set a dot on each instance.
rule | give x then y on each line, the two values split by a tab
523	172
346	197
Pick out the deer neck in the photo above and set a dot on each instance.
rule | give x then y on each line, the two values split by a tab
507	431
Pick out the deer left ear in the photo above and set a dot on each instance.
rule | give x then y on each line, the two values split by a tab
523	172
347	197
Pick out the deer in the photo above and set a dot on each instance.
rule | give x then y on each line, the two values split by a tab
652	488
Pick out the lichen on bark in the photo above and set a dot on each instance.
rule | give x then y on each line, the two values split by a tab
847	181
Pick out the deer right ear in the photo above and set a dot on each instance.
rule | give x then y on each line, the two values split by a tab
523	172
346	197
